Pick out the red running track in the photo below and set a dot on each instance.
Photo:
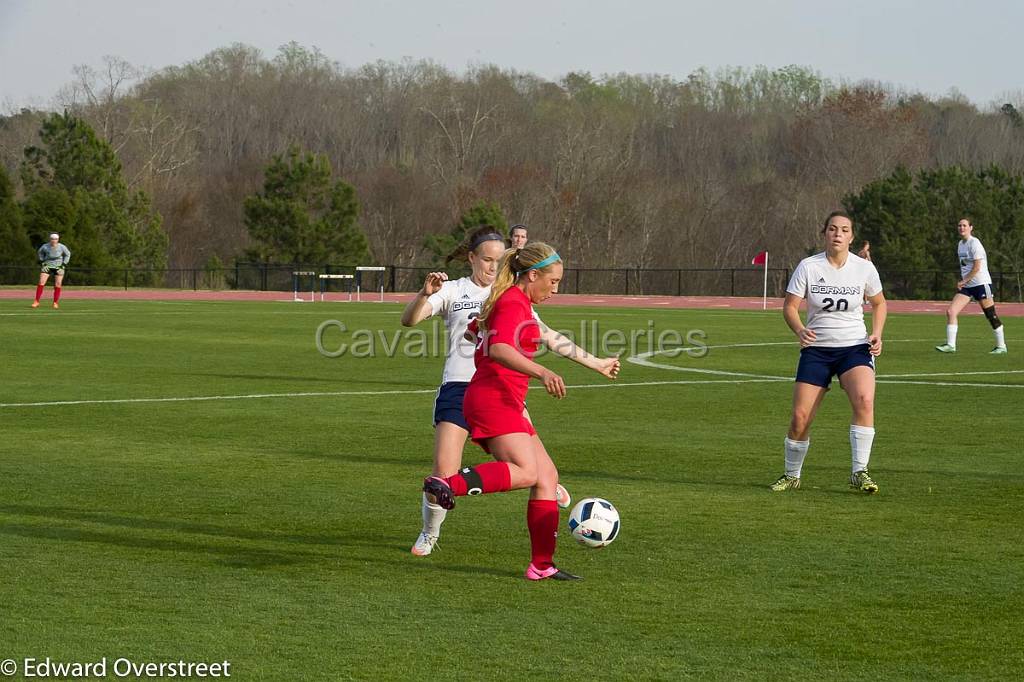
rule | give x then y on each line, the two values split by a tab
70	295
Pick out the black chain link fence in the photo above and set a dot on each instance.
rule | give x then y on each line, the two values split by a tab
917	284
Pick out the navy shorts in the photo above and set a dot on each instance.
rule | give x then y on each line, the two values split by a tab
448	404
978	293
818	365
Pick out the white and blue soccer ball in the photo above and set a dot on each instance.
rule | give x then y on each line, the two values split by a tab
594	522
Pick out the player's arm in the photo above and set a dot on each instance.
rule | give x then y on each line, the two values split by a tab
41	253
419	308
879	310
507	356
791	313
975	269
66	253
564	346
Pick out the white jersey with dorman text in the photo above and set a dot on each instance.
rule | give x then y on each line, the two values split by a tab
968	252
835	298
458	302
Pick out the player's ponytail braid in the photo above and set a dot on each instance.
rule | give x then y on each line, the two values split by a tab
473	241
512	265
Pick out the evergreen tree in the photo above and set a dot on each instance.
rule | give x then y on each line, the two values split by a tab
15	247
110	226
481	213
302	216
911	220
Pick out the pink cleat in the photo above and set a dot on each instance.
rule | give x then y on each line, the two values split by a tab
442	492
562	497
533	573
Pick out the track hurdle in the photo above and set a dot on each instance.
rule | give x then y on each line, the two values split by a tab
359	279
296	277
323	284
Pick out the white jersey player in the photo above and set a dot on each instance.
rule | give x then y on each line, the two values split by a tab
834	343
975	282
458	302
835	298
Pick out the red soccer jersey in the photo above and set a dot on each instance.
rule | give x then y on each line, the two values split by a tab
495	399
510	322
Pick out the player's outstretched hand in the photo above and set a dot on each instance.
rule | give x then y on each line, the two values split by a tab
609	367
432	284
876	345
553	384
807	337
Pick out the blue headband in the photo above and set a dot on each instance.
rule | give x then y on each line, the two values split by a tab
553	258
489	237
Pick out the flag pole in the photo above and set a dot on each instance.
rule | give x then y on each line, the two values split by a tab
764	296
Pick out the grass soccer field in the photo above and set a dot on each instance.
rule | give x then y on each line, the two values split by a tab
266	517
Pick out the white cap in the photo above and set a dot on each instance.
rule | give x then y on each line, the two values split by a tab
54	235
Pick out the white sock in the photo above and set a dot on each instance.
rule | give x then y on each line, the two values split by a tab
1000	339
951	335
796	450
861	438
433	517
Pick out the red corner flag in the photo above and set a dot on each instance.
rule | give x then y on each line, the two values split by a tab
762	259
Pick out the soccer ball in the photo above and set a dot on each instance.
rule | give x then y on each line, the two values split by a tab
594	522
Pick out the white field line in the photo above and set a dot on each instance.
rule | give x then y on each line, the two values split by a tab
950	383
642	360
639	360
951	374
700	349
322	394
749	379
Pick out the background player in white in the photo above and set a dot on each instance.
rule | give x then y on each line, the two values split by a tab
459	302
53	257
834	342
975	282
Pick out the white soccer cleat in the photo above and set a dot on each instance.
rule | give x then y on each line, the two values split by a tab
562	497
424	544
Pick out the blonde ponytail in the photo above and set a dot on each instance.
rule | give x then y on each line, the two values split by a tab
514	263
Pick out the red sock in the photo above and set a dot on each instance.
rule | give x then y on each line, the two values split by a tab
542	520
39	292
56	294
489	477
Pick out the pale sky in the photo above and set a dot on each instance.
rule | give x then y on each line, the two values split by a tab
975	47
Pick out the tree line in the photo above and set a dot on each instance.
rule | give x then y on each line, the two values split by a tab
623	170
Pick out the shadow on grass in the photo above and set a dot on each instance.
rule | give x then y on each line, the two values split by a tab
229	556
696	480
235	557
420	463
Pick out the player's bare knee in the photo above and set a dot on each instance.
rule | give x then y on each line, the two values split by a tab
863	404
547	479
800	423
527	476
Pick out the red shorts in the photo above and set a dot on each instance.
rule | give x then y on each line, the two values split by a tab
491	412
